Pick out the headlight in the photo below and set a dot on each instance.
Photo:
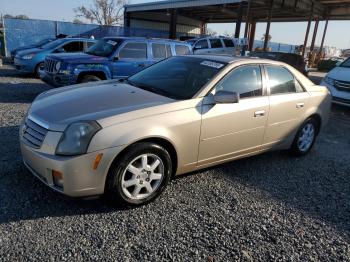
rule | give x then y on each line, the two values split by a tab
76	138
329	80
28	57
58	66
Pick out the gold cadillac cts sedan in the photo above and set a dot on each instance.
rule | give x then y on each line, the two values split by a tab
125	139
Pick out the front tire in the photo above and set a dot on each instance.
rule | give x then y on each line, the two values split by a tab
139	176
39	67
305	138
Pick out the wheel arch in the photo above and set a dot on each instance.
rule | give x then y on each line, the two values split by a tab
169	146
100	74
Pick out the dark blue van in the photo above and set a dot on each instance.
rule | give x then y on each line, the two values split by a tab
110	58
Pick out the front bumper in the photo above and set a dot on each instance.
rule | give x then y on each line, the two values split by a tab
339	97
79	177
58	80
24	66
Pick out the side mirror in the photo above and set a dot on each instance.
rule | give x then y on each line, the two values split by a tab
226	97
116	58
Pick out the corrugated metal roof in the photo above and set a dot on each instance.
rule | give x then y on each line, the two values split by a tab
224	10
176	4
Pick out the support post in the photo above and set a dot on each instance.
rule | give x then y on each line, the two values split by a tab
203	28
314	35
172	24
307	31
127	19
239	20
252	36
267	33
324	36
4	34
247	20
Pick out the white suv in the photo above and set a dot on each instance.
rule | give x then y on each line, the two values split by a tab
338	83
212	45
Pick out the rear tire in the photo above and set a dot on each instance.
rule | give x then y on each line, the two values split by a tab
139	176
305	138
90	78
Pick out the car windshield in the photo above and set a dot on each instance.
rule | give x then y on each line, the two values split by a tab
177	77
44	42
52	44
346	63
191	42
104	47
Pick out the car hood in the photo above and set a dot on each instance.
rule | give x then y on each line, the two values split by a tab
340	73
60	107
78	58
29	51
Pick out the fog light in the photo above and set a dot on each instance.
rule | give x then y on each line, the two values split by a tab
57	178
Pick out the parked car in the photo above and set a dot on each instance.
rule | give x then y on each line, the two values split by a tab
295	60
212	45
126	138
338	83
328	64
35	45
32	60
110	58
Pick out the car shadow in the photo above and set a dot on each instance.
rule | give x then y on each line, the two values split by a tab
20	92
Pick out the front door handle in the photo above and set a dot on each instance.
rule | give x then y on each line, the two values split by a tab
300	105
259	113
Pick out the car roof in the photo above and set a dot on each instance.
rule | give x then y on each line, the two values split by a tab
232	59
146	39
74	39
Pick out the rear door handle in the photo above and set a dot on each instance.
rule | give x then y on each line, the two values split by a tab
300	105
259	113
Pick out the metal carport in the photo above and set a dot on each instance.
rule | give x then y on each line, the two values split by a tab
180	15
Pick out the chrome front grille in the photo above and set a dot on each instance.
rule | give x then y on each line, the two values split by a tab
342	85
33	134
50	65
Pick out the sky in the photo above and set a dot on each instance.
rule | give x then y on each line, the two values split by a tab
288	33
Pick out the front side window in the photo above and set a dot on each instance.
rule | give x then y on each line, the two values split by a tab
229	43
182	50
215	43
245	80
184	76
281	80
134	51
161	51
202	44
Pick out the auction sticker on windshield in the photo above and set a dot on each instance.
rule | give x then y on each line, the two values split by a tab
112	42
212	64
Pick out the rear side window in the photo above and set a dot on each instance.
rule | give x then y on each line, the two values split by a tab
134	51
202	44
161	51
245	80
73	47
215	43
229	43
282	81
182	50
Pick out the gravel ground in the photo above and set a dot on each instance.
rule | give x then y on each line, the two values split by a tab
271	207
